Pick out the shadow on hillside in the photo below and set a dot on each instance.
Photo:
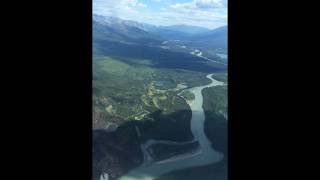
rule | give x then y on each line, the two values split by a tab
161	58
117	152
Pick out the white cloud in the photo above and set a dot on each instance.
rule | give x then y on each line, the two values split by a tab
209	13
201	5
209	4
142	5
181	6
206	13
114	7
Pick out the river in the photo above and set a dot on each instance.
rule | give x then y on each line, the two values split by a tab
203	156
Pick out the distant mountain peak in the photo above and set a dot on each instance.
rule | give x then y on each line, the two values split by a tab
183	28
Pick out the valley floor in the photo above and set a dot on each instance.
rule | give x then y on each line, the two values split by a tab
127	97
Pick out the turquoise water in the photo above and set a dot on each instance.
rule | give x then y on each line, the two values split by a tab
203	156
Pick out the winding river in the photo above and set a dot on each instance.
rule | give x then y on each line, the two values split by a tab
203	156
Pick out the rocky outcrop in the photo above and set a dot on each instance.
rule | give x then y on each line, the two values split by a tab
106	121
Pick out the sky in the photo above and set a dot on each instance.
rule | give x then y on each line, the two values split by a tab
205	13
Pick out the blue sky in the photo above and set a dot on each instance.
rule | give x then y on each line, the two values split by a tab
205	13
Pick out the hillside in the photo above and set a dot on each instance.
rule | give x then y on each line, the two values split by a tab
216	38
126	41
139	72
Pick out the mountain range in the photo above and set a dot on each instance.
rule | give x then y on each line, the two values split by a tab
129	31
165	46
